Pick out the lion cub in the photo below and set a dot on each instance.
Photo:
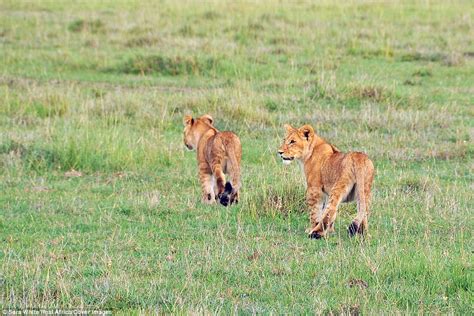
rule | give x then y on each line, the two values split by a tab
217	153
331	176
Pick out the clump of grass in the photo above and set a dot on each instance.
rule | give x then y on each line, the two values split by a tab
50	106
211	15
10	145
370	53
252	31
422	56
356	94
233	112
168	66
417	76
255	26
318	91
281	40
424	72
453	59
187	30
412	82
322	88
142	41
280	17
281	200
414	185
271	105
460	151
80	25
374	93
32	157
98	92
46	106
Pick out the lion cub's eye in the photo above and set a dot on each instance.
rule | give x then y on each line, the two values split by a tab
291	142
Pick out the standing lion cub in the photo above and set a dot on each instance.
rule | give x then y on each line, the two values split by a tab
218	153
328	172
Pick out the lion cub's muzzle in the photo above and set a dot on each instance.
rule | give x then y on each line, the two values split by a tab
285	160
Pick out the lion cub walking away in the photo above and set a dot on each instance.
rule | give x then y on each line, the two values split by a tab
332	177
218	153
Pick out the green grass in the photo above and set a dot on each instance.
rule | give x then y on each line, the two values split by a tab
101	87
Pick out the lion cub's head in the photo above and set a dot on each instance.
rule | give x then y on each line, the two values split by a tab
194	129
296	143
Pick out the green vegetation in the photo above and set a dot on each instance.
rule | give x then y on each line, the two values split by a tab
99	201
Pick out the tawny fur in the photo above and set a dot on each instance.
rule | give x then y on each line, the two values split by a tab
218	154
332	177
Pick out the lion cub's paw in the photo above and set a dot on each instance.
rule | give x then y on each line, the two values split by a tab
224	200
314	233
225	197
353	229
208	199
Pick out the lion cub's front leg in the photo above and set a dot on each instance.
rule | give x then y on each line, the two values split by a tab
207	186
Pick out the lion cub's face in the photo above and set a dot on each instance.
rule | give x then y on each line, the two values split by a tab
295	143
194	128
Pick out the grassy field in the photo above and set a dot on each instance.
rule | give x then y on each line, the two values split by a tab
99	201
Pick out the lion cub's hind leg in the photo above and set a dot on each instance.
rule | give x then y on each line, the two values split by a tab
230	194
338	193
208	196
360	224
232	188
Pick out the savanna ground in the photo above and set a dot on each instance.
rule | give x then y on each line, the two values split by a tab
100	201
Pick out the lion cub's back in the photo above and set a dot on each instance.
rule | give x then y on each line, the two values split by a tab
230	141
224	144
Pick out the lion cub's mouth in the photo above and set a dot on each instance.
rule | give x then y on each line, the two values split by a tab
287	160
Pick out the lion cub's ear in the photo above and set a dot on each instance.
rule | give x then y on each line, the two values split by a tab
289	128
306	131
188	120
208	118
